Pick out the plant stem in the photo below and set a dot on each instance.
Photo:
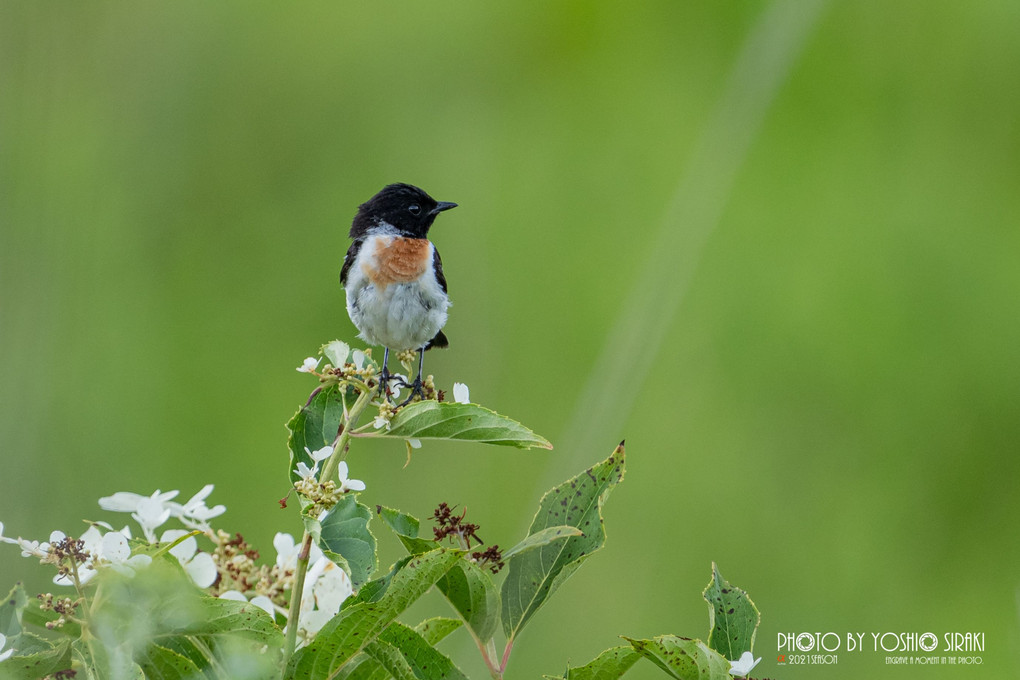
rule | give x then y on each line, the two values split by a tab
345	436
488	654
297	590
506	656
295	598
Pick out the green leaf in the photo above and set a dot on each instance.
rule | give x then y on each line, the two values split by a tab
461	422
467	587
160	663
542	538
732	617
683	658
473	596
438	627
425	661
40	664
608	665
10	611
532	576
406	528
401	523
161	621
350	631
345	532
316	425
390	658
29	643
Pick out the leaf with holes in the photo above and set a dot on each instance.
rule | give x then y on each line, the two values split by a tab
532	576
683	658
733	618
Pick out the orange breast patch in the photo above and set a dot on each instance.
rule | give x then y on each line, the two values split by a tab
402	260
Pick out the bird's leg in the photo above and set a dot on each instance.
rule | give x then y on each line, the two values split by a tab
416	386
384	375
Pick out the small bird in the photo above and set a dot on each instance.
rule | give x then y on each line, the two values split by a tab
393	276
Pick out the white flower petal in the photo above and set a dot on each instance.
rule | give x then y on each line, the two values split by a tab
320	454
115	547
286	549
92	539
742	666
332	588
415	443
233	595
122	501
57	536
353	485
358	359
199	498
308	365
203	513
184	550
461	394
313	621
202	570
265	604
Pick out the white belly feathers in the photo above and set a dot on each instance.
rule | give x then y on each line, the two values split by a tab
388	300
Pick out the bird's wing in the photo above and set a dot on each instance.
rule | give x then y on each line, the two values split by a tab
437	263
352	254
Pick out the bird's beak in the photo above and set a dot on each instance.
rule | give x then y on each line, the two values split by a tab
441	206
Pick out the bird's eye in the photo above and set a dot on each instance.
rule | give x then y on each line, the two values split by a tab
414	209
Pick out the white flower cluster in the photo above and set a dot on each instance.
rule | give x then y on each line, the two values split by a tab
326	586
111	549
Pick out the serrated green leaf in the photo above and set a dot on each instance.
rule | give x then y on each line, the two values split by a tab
460	422
534	575
29	643
732	617
424	660
406	528
608	665
470	591
161	663
345	532
401	523
683	658
40	664
356	626
542	538
438	627
316	425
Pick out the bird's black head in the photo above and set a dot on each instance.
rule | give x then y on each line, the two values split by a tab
405	208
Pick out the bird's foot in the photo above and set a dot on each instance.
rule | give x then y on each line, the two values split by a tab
384	383
417	390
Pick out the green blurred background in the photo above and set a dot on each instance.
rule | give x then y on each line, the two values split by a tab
832	414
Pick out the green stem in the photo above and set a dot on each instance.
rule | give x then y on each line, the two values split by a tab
306	545
295	599
341	442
